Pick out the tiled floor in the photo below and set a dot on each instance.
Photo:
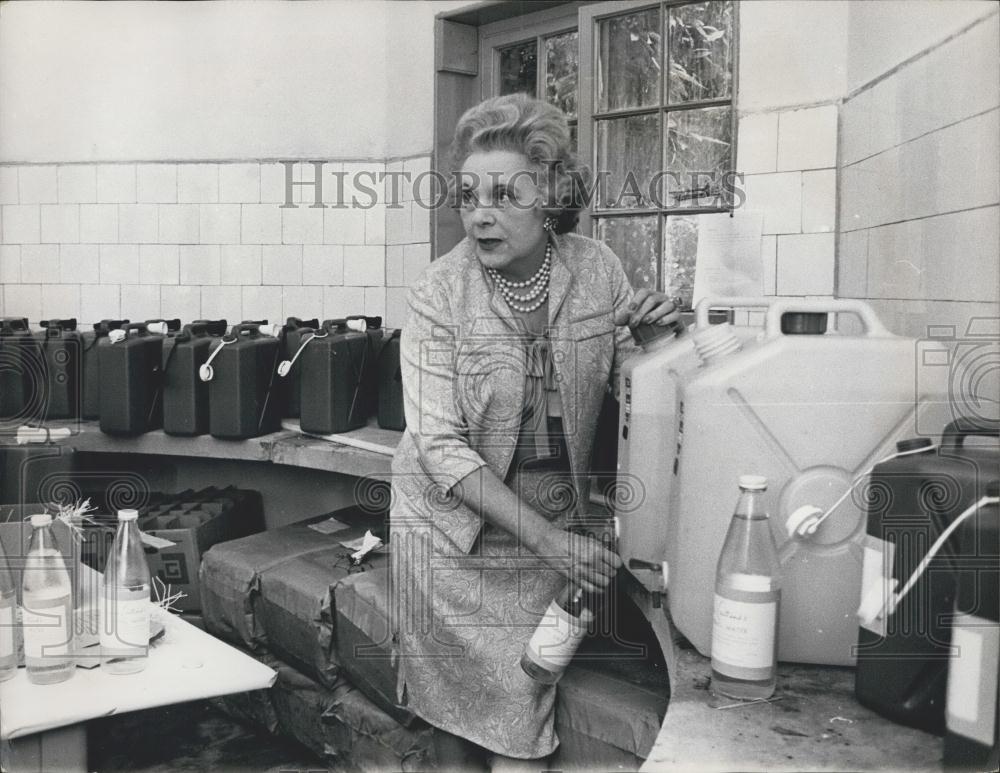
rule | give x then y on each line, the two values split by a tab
190	737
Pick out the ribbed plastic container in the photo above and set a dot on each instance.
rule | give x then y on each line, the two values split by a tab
809	412
335	372
131	388
62	350
295	330
90	386
244	394
185	395
22	371
390	385
648	425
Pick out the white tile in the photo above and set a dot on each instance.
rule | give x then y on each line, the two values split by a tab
140	302
852	264
855	128
416	258
79	264
819	201
24	300
197	183
394	266
159	264
98	223
39	263
178	223
262	302
895	261
38	184
302	302
960	255
343	226
137	223
8	185
778	197
807	139
417	166
303	225
375	302
769	264
323	264
341	301
420	223
10	264
272	184
60	223
77	184
375	224
119	264
200	264
397	223
99	302
260	224
241	264
116	184
395	306
364	266
60	301
757	145
220	223
805	264
222	302
281	264
21	224
180	301
157	183
239	183
397	184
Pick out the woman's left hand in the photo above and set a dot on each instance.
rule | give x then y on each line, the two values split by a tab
648	307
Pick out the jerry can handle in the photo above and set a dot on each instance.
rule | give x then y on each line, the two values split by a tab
955	433
706	304
779	307
212	327
294	323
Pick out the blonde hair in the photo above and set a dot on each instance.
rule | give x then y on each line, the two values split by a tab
539	131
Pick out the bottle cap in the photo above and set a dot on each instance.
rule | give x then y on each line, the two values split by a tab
159	328
128	515
116	336
41	519
912	444
753	482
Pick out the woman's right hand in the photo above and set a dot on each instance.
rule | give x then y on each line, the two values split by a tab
591	565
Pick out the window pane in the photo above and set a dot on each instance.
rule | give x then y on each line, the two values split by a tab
629	61
628	155
634	241
698	153
680	249
700	46
561	65
518	69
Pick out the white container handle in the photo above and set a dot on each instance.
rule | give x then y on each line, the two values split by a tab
709	302
864	312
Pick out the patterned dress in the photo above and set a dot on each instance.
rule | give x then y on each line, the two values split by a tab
467	595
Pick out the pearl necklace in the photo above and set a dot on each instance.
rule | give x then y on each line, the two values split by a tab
538	285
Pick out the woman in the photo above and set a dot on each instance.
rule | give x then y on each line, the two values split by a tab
510	344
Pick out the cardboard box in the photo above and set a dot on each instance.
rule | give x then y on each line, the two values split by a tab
195	525
364	641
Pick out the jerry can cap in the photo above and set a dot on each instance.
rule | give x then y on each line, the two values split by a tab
41	519
647	333
753	482
128	515
913	443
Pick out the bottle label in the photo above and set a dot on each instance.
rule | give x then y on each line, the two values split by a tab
557	636
744	628
6	630
46	626
125	622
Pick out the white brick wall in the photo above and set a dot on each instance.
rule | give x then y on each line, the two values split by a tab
191	240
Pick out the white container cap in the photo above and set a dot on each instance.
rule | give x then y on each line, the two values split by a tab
159	328
41	519
753	482
128	515
117	336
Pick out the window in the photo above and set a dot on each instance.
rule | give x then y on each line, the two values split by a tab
649	90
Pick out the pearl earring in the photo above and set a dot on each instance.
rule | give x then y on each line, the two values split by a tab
549	224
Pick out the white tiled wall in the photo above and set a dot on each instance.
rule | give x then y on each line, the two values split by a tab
789	161
194	240
920	186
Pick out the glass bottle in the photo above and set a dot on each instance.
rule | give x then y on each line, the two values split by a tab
747	597
47	615
558	634
8	624
125	604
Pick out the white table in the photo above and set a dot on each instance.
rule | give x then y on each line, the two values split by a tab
45	723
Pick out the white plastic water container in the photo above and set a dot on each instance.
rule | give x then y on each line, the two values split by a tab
808	412
648	431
